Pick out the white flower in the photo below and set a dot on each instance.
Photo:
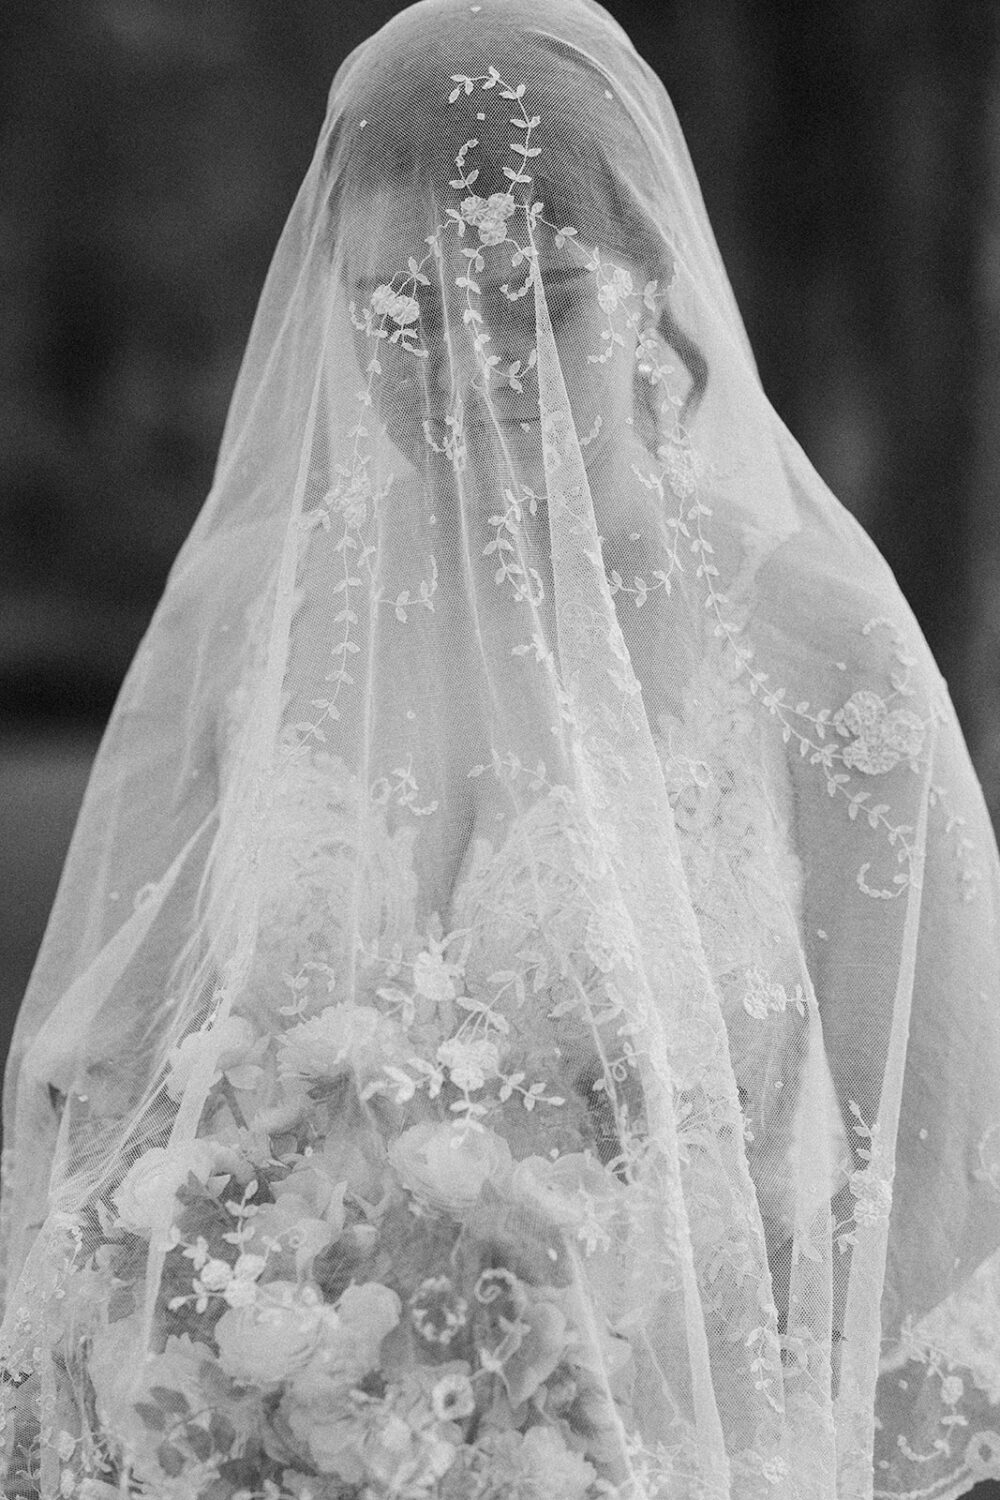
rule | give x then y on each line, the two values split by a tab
448	1165
453	1398
367	1313
229	1040
149	1189
215	1275
469	1063
340	1037
952	1389
306	1216
407	1458
983	1455
612	291
395	305
123	1371
540	1465
331	1427
433	977
437	1311
873	1197
241	1288
574	1191
317	1404
352	1339
489	216
276	1335
880	738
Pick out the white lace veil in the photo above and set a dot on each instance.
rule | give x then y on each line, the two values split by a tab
520	1016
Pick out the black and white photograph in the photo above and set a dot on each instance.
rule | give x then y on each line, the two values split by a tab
500	750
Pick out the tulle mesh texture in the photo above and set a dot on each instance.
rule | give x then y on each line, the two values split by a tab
520	1016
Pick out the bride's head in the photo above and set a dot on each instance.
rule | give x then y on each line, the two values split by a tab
467	148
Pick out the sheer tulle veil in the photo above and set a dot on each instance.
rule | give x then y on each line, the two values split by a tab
520	1015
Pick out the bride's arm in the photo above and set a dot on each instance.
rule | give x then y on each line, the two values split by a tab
933	948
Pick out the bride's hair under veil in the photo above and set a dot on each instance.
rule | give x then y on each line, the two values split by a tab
596	172
519	1016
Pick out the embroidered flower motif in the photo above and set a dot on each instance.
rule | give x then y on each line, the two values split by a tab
395	305
682	773
873	1197
489	216
774	1469
238	1284
613	291
763	997
880	737
215	1275
433	977
470	1063
241	1288
353	503
682	467
555	439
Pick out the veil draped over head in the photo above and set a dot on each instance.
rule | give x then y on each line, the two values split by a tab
521	1016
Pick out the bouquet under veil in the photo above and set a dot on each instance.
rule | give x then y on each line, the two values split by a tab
520	1016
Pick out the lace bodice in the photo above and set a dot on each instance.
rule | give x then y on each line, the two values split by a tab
532	889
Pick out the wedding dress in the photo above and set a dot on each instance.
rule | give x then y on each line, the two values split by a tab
520	1016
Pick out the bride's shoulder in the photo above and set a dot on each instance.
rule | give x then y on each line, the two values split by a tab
827	605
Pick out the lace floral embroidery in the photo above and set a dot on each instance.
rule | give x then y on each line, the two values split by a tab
880	737
489	216
764	997
870	1186
401	309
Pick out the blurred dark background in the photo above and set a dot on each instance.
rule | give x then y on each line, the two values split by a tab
849	155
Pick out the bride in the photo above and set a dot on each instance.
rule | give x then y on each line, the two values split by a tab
520	1016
